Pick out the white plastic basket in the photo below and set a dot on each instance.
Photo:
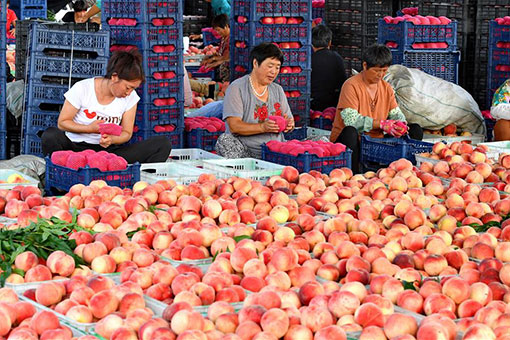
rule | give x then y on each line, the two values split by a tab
475	139
422	159
195	156
497	148
179	172
252	168
5	173
314	132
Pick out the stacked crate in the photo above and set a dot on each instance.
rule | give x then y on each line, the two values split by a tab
3	80
33	9
22	36
487	10
498	70
57	60
154	27
464	12
354	26
257	21
197	15
408	40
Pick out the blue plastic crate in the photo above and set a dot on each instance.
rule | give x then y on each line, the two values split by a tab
153	89
146	36
414	147
322	123
405	34
295	81
256	9
3	146
253	32
148	115
202	139
50	93
196	74
175	137
444	65
37	120
307	162
498	33
300	106
318	12
42	65
33	9
143	11
381	151
31	145
62	178
298	133
43	38
208	38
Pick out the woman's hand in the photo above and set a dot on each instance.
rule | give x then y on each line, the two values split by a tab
106	141
290	125
270	126
94	127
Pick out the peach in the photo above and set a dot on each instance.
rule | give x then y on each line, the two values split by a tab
457	289
343	303
316	318
38	273
372	333
44	320
435	264
80	314
481	293
330	333
436	302
103	303
185	320
468	308
26	261
479	331
369	314
400	324
410	300
432	330
48	293
298	332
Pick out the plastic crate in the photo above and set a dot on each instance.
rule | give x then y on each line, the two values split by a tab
301	57
37	120
175	137
146	36
252	168
149	115
405	34
256	9
3	145
475	139
196	74
318	12
180	173
202	139
381	150
444	65
31	145
254	32
496	148
307	162
153	89
414	147
40	92
300	106
63	178
209	38
322	123
33	9
191	156
142	10
197	7
43	38
41	66
5	173
295	81
298	133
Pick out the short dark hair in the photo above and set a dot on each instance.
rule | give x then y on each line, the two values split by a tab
126	65
377	55
265	51
220	21
321	36
79	6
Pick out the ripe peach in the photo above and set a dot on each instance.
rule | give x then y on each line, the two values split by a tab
44	320
369	314
457	289
400	324
48	293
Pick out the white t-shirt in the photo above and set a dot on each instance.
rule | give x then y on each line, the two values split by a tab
83	96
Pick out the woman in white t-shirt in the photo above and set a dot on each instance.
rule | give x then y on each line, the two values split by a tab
109	99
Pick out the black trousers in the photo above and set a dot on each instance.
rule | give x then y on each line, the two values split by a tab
154	150
350	138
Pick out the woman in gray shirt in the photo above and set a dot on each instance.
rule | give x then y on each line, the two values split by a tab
248	103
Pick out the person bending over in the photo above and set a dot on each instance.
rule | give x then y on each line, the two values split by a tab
110	99
500	110
248	103
78	14
367	105
328	70
222	59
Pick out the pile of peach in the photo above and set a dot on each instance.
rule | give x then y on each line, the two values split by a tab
392	255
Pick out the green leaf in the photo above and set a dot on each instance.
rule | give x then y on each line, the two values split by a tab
215	254
239	238
131	233
408	285
19	271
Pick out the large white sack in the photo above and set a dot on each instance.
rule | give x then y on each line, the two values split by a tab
432	102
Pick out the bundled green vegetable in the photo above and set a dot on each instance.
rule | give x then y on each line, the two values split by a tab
42	238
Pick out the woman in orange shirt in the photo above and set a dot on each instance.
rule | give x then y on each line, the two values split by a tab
367	105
